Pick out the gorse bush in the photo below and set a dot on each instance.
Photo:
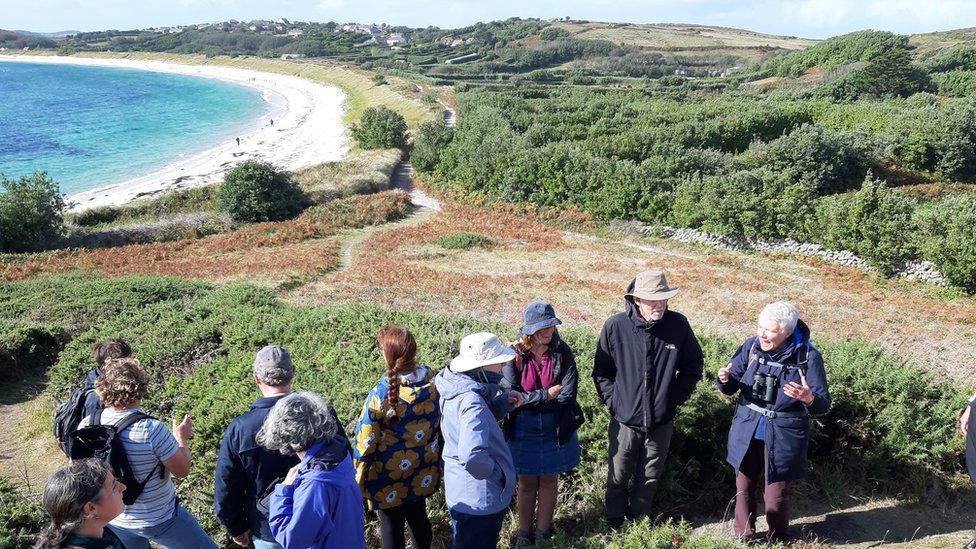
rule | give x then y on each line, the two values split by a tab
380	128
31	212
875	223
465	241
21	518
949	241
256	191
198	347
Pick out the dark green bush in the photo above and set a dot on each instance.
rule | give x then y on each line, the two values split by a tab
875	223
956	83
431	139
751	204
832	162
27	348
949	238
256	191
465	241
380	128
21	518
31	212
961	57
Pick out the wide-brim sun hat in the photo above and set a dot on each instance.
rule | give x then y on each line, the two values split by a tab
538	315
652	285
480	349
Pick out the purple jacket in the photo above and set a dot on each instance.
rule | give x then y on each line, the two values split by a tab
323	509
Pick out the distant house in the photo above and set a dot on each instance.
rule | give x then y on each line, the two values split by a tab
292	56
396	39
295	32
282	21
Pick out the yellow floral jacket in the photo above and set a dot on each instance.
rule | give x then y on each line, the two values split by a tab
400	463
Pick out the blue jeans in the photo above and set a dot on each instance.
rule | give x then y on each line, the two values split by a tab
180	532
475	531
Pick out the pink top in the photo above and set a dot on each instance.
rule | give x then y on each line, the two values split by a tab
537	374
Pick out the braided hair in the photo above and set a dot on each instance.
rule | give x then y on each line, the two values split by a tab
399	351
65	496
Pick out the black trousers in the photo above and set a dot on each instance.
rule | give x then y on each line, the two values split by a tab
414	514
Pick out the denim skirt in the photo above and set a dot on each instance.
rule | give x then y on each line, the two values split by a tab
535	447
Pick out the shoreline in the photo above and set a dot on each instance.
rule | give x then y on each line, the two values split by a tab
307	130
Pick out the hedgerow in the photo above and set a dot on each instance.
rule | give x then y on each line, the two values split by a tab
198	351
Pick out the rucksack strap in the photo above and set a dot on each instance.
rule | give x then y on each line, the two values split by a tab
97	417
128	421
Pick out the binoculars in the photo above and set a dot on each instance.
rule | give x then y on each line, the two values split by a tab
764	388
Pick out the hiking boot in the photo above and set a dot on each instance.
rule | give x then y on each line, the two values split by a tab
614	524
971	544
543	540
524	539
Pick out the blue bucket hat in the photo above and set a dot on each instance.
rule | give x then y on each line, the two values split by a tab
539	315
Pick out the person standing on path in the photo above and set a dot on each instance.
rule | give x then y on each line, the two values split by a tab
647	364
964	424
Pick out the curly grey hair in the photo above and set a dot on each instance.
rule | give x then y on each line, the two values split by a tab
783	313
296	422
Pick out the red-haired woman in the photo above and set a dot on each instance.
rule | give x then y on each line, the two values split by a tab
396	450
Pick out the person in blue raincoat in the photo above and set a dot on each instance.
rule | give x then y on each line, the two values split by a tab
781	381
318	505
479	475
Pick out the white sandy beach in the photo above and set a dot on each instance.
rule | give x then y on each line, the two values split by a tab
307	130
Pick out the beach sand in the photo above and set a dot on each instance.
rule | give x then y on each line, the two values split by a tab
307	130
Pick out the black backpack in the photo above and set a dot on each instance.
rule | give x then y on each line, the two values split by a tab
70	413
103	442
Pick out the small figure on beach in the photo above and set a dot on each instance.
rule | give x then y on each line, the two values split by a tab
271	121
238	141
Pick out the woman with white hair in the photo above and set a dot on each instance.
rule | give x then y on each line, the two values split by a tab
781	381
319	504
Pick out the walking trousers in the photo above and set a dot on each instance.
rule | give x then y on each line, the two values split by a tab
775	496
636	456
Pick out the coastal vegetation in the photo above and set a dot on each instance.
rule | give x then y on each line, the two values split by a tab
380	128
255	191
31	211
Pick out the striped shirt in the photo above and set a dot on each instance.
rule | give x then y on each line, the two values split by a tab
147	442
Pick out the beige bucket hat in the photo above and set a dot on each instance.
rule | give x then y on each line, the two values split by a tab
652	285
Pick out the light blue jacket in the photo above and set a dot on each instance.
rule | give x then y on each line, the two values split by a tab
479	476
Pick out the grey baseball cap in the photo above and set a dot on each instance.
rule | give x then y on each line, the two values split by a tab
274	364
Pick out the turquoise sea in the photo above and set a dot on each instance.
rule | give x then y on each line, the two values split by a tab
88	127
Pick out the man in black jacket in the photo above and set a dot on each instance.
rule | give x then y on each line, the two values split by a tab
648	362
246	471
965	423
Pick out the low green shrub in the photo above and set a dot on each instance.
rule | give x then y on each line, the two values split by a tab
27	348
256	191
949	238
464	241
875	223
21	518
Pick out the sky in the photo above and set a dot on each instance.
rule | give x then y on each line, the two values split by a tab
804	18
